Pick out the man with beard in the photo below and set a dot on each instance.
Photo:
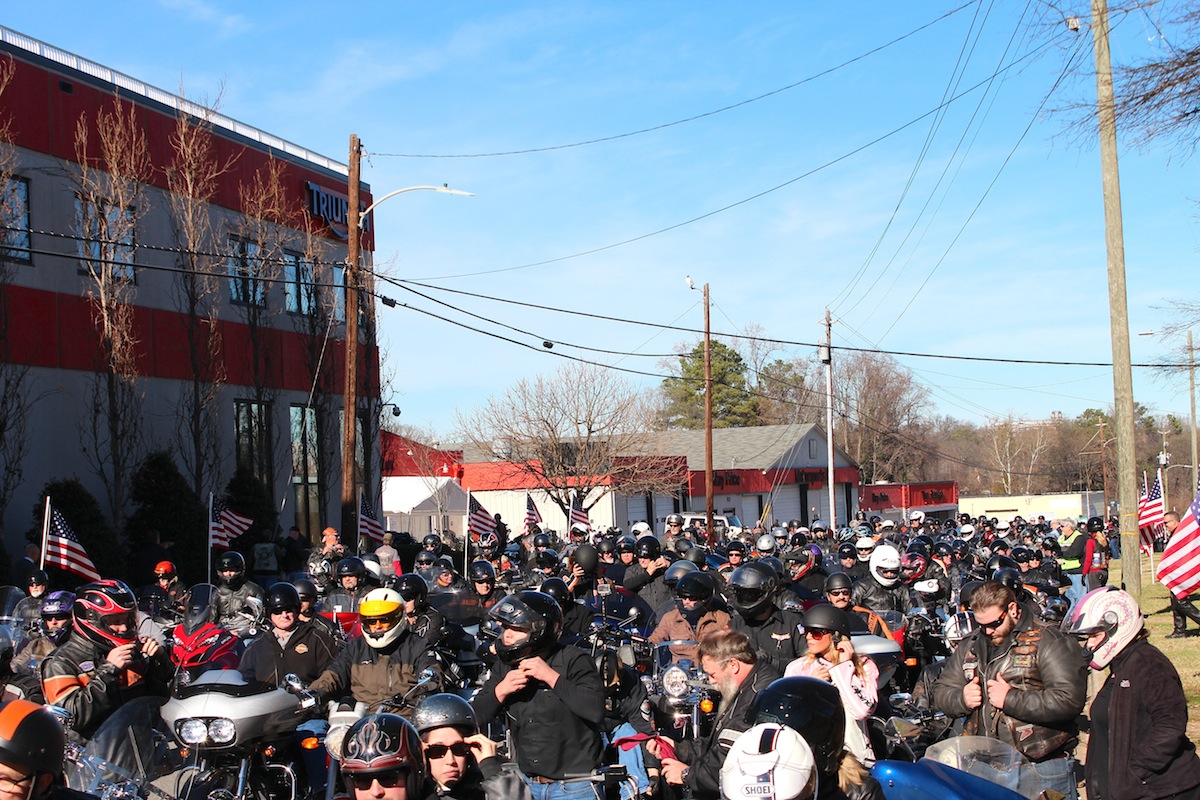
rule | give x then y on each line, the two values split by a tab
734	669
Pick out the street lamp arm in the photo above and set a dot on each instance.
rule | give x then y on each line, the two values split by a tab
444	189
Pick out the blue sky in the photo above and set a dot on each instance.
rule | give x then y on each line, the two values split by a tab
1023	276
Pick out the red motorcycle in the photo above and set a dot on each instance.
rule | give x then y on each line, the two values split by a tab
198	644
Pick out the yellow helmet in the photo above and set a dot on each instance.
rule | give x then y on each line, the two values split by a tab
380	613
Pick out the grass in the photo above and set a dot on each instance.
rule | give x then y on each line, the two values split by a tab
1183	653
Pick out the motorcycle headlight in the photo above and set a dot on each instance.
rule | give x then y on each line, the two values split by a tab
333	740
192	731
221	730
674	682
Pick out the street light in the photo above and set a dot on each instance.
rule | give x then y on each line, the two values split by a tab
350	394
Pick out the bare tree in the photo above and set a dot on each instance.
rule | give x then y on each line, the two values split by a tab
15	400
1015	447
581	431
192	178
881	409
112	168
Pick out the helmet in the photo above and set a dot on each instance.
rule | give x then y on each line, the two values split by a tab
432	542
798	562
919	547
424	559
481	572
794	524
542	541
1022	554
912	567
306	589
444	710
1095	525
846	550
606	546
675	519
372	571
648	547
579	531
682	545
736	546
587	558
1011	578
965	592
774	564
164	569
942	549
818	526
1110	611
960	548
538	615
997	562
639	528
966	530
959	627
812	708
695	586
382	743
231	561
696	556
557	588
626	544
885	565
799	539
38	578
282	597
865	544
351	567
780	535
31	738
769	760
100	605
838	580
57	604
1055	610
765	543
752	588
489	545
547	561
825	617
676	571
916	516
385	606
411	587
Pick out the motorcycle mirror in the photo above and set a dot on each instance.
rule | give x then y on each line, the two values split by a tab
900	700
293	683
66	717
901	729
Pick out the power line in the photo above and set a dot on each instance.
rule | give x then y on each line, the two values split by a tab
694	118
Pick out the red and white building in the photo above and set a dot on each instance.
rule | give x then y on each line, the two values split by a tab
897	501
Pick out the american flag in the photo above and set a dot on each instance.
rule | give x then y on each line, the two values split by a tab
578	515
479	521
369	526
532	515
1179	569
1150	513
63	549
225	524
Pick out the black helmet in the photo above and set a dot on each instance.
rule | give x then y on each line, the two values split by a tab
444	711
675	519
1022	554
960	548
799	539
31	738
100	605
677	571
648	547
606	546
773	563
838	580
537	614
306	589
752	588
1000	562
793	524
481	572
231	561
412	587
825	617
282	597
812	708
695	586
382	743
557	588
432	542
1011	578
682	545
38	578
736	546
847	550
1095	525
547	561
424	559
542	541
942	549
919	548
696	556
352	566
587	558
626	544
965	592
489	545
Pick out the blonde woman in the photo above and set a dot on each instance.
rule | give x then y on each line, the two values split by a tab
831	658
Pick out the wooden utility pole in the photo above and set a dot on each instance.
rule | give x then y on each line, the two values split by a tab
350	398
828	359
708	425
1118	307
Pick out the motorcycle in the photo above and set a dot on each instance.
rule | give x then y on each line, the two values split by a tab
197	643
236	735
923	642
909	733
682	701
991	768
455	650
123	758
339	609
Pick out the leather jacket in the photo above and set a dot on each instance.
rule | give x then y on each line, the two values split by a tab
229	602
872	594
777	639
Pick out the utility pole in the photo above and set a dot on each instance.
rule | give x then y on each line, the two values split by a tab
827	360
1192	399
350	398
1118	306
708	425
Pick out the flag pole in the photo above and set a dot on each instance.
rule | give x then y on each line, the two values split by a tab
45	534
467	534
208	576
358	523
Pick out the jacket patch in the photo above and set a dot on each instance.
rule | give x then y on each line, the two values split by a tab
301	648
87	666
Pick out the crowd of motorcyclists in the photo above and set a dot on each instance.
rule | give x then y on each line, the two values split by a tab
523	672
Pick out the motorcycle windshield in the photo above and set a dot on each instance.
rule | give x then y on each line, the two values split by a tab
130	747
12	624
201	607
893	619
338	604
458	604
995	761
619	607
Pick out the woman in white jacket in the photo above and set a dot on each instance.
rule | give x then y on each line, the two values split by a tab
831	658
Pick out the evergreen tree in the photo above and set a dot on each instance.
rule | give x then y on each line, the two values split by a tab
164	503
733	404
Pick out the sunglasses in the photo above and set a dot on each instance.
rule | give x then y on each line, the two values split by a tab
388	779
436	751
816	633
991	626
839	592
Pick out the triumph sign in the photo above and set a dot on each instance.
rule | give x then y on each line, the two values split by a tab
333	208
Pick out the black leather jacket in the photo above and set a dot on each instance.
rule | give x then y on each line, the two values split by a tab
870	593
777	638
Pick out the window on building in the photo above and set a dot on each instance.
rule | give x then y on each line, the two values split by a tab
106	238
245	286
252	428
14	216
812	449
300	292
339	292
306	469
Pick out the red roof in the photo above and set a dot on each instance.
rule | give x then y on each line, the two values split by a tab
406	457
490	476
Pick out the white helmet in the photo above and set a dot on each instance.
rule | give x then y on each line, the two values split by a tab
765	543
385	607
1111	611
917	517
966	531
639	528
885	559
865	543
769	762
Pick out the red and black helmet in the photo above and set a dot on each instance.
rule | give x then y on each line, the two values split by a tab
381	744
99	606
31	738
164	569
